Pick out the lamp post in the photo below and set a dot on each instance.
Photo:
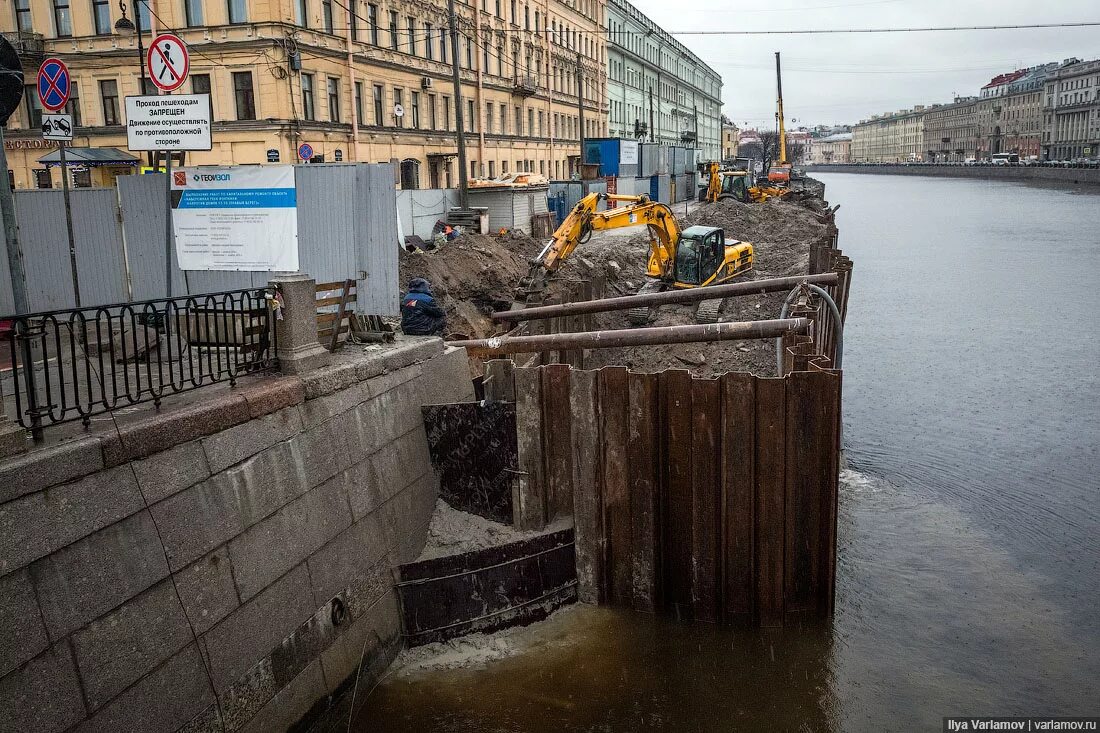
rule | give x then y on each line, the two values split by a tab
124	27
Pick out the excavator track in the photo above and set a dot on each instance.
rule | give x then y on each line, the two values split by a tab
708	310
642	315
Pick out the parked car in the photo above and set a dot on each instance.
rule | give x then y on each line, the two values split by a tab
970	161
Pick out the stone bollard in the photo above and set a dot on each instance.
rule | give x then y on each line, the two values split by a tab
296	334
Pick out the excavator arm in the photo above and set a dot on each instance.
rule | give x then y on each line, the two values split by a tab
578	226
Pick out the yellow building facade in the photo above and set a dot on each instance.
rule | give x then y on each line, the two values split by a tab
358	81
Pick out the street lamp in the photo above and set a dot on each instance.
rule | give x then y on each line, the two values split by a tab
124	27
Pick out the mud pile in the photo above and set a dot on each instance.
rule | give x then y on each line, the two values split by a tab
781	233
471	277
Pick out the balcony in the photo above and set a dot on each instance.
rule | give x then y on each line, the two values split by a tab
26	44
687	136
524	85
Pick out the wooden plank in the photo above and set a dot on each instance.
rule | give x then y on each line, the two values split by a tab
677	453
738	482
587	493
643	456
803	477
557	445
324	287
335	299
706	412
770	484
341	312
613	392
529	489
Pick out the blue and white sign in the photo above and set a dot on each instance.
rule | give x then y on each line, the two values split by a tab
236	218
305	151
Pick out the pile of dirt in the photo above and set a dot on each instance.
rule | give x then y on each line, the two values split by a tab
472	276
453	532
781	233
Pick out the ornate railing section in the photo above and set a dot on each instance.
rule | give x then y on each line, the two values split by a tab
76	364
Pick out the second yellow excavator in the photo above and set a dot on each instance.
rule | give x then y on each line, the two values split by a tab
737	185
678	258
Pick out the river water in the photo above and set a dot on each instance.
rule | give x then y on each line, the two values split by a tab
969	538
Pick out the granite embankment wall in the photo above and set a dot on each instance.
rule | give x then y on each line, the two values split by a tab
220	566
1070	176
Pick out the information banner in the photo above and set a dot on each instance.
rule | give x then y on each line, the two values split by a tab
235	218
628	152
169	122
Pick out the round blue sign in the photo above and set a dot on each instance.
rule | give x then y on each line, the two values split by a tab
53	84
305	151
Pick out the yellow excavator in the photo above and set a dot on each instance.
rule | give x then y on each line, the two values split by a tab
678	258
737	185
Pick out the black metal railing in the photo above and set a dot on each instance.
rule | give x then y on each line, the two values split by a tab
75	364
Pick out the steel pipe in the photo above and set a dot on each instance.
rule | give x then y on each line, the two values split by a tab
729	331
625	302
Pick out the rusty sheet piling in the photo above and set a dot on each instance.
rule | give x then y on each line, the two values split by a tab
729	331
625	302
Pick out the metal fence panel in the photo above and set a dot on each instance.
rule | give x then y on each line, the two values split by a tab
377	291
327	204
421	209
45	244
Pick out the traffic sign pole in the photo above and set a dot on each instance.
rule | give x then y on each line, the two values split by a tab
53	86
69	223
168	222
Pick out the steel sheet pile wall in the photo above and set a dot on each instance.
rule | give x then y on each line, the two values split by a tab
712	499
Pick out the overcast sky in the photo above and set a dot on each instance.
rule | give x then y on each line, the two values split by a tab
843	78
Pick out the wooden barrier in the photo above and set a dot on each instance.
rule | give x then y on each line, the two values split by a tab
710	499
332	323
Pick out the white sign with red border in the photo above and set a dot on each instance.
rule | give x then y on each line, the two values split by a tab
169	62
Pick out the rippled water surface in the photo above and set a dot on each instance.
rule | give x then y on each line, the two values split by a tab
969	566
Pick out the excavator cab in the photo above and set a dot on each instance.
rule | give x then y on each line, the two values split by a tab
704	257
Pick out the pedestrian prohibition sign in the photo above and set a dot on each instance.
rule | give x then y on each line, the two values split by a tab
53	84
168	62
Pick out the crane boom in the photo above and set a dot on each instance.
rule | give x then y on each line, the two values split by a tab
779	112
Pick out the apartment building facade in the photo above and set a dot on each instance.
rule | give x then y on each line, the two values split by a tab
1009	113
731	140
951	131
890	138
358	81
658	90
1071	111
835	148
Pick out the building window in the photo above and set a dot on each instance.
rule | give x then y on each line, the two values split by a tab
398	101
23	16
308	112
353	20
101	15
412	34
72	107
515	16
446	113
503	119
333	99
498	10
237	11
378	118
443	41
489	117
108	92
431	112
42	178
393	29
192	12
326	15
359	103
372	18
429	51
492	169
34	107
301	13
243	95
530	122
469	53
62	18
416	110
200	84
519	122
471	117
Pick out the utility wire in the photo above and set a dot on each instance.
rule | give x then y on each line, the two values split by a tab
929	29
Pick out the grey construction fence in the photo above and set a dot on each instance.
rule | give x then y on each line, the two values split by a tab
347	228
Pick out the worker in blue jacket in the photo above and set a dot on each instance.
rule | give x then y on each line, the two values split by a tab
420	315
